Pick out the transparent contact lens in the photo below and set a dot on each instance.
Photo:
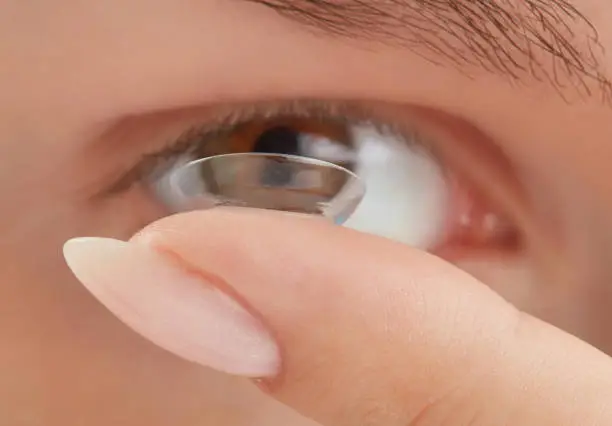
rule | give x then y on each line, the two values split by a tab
268	181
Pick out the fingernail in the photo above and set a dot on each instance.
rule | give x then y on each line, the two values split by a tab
175	309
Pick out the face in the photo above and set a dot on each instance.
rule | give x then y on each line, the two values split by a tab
494	124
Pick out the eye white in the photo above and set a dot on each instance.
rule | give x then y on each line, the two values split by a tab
407	194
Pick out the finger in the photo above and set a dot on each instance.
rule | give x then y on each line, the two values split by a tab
348	329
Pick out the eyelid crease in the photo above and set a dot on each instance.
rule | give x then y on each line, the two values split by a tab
220	120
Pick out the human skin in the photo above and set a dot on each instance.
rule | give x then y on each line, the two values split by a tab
72	71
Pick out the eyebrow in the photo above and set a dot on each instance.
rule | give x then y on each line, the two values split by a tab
549	40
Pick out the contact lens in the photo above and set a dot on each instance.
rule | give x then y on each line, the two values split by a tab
268	181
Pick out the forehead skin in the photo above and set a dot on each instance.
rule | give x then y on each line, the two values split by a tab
130	44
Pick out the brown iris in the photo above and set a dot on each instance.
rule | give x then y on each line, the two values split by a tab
307	137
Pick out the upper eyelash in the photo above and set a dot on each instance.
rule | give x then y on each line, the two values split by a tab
228	117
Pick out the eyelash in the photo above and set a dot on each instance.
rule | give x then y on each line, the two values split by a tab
227	118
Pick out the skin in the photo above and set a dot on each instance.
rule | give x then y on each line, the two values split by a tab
73	71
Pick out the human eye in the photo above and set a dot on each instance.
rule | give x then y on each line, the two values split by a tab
416	191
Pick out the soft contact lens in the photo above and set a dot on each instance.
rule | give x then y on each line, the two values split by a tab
267	181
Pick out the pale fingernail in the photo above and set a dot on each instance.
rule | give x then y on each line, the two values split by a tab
174	309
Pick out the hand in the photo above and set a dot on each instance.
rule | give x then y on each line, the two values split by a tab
348	329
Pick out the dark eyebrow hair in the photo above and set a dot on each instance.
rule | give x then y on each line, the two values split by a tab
549	40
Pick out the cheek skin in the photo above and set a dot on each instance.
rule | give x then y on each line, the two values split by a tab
66	359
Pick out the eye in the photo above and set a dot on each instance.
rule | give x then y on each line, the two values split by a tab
407	194
412	197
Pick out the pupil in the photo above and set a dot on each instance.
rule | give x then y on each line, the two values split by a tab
278	140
